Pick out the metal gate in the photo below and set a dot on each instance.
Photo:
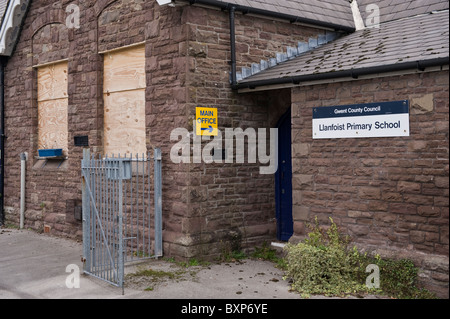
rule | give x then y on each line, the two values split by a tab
122	213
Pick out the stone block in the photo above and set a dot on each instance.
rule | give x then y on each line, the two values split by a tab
302	181
423	104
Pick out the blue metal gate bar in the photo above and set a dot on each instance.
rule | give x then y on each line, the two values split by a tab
117	213
102	232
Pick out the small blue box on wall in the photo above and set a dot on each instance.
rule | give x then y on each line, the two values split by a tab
50	152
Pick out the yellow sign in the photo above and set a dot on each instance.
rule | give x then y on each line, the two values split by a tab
206	122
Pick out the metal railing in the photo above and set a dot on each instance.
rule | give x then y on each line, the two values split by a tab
122	213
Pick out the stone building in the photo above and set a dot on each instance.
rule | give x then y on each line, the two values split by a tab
261	66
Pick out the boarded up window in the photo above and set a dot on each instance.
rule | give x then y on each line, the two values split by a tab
124	99
52	107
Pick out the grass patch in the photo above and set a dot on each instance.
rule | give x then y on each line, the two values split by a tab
193	262
10	226
153	275
150	278
231	255
265	252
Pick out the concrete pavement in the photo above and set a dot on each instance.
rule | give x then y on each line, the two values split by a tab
34	266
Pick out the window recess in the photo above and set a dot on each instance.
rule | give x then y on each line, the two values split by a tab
52	108
124	86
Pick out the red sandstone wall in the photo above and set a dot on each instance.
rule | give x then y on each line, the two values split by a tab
187	65
386	193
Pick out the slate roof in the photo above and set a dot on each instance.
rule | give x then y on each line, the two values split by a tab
419	38
330	11
3	4
398	9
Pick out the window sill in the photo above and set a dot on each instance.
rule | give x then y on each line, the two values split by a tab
53	158
50	163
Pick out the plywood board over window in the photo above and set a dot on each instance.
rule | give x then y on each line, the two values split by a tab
52	107
124	101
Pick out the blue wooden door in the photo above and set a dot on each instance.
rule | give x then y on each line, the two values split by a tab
283	180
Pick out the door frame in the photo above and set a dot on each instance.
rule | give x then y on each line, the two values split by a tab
281	121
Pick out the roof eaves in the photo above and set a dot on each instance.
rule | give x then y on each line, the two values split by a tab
264	11
273	76
351	73
12	19
3	5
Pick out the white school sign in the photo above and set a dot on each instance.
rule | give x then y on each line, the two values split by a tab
387	119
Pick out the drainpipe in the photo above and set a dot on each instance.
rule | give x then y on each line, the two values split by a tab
2	139
23	164
233	46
